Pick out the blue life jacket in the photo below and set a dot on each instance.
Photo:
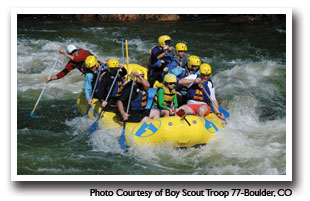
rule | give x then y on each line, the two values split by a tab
141	101
117	89
196	92
177	62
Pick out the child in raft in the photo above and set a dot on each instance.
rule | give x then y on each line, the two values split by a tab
165	101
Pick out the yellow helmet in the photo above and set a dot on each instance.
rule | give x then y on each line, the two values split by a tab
91	61
193	61
164	40
136	70
170	78
180	47
113	63
205	69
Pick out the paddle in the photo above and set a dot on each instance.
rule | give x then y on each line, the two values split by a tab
122	138
94	89
95	125
181	113
35	106
213	103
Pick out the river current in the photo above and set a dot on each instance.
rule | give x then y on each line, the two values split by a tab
249	73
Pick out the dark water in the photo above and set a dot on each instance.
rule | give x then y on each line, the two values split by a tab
249	72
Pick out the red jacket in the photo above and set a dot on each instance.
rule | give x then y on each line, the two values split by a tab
77	62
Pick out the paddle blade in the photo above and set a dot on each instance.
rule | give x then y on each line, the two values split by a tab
31	114
93	127
122	141
181	113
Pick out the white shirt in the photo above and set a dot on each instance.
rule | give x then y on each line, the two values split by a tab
212	90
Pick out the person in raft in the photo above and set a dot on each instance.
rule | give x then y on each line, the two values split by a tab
107	81
77	58
178	68
137	111
160	57
197	100
90	78
165	100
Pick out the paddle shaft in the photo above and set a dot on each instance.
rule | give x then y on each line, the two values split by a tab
123	54
109	93
127	54
35	106
122	137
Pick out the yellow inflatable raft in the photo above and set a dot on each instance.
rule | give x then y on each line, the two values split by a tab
167	130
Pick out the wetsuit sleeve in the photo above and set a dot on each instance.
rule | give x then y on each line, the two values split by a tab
161	99
69	67
87	85
175	101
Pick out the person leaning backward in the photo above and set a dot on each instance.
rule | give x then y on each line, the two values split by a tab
201	93
138	113
106	83
77	58
160	58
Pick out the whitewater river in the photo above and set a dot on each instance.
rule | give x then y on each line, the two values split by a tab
249	73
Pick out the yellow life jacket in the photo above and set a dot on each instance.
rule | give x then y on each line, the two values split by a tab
168	97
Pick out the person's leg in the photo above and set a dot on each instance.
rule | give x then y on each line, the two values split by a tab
186	109
165	113
154	114
202	110
145	119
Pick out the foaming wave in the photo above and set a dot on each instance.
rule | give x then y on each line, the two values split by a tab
106	140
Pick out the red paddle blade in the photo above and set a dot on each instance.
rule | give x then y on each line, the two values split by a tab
181	113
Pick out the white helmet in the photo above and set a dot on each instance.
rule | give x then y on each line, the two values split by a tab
71	48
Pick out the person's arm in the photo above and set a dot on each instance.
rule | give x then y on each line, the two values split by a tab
188	80
87	89
121	109
175	101
144	82
161	99
214	102
61	51
123	99
69	67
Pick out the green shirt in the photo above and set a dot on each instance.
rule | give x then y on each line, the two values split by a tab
160	93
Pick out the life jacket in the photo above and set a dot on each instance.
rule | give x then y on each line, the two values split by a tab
168	97
141	101
117	89
180	62
196	92
183	89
